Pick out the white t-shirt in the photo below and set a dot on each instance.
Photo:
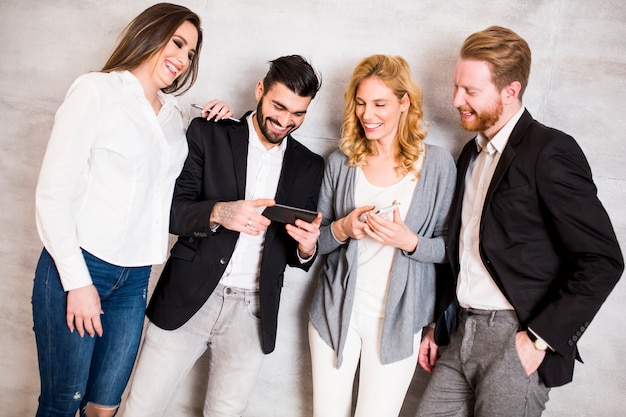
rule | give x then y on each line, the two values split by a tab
375	259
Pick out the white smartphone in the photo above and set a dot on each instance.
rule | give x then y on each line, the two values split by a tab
381	211
387	209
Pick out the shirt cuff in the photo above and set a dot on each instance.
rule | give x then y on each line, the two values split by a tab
303	260
540	339
73	271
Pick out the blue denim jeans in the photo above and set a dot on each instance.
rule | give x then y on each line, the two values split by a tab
75	370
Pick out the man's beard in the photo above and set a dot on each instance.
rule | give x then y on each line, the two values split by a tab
272	137
482	121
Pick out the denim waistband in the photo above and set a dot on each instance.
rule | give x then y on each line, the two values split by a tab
235	292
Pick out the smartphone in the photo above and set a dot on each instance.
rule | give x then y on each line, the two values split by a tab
387	209
381	211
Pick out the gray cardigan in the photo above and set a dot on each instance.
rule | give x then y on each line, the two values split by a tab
410	301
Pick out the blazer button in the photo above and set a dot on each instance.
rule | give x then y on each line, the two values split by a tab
570	343
190	240
582	328
223	261
574	338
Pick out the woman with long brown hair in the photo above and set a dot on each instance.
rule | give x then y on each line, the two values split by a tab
102	205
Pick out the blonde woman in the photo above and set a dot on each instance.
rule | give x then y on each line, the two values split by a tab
377	289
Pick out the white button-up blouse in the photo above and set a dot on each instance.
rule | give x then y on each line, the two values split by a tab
108	175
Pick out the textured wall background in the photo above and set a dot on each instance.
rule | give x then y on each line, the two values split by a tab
577	84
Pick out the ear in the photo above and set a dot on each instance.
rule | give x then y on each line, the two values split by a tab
405	102
258	91
510	93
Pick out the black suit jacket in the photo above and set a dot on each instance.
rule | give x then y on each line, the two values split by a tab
215	170
545	238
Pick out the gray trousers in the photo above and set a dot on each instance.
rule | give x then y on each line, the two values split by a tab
480	373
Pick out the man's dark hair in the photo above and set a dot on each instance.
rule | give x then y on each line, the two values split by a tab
296	73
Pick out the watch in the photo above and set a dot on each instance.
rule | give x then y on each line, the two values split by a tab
539	344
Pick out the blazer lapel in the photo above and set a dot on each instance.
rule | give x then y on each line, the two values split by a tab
239	146
288	172
508	155
457	204
503	165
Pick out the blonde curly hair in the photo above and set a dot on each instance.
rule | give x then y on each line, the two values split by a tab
394	71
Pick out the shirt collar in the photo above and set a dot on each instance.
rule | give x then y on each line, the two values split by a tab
499	141
167	100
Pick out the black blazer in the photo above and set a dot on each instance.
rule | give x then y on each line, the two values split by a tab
215	170
545	238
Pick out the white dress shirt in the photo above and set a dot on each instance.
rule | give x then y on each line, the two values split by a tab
108	175
262	174
476	288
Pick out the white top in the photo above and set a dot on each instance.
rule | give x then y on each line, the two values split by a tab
375	258
262	175
108	175
476	288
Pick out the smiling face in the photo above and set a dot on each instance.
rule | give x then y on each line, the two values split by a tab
479	102
164	67
279	112
378	109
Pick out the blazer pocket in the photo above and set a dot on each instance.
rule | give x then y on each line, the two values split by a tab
183	252
519	206
519	189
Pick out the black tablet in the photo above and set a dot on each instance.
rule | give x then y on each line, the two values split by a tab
286	214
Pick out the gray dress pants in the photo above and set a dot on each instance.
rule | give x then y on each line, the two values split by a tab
480	373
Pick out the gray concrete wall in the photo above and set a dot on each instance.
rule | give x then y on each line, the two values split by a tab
577	84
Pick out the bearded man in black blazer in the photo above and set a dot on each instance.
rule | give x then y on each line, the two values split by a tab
532	250
220	288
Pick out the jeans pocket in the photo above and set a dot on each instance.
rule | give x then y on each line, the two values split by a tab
254	308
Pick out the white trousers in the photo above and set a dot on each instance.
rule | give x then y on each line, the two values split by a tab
382	388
